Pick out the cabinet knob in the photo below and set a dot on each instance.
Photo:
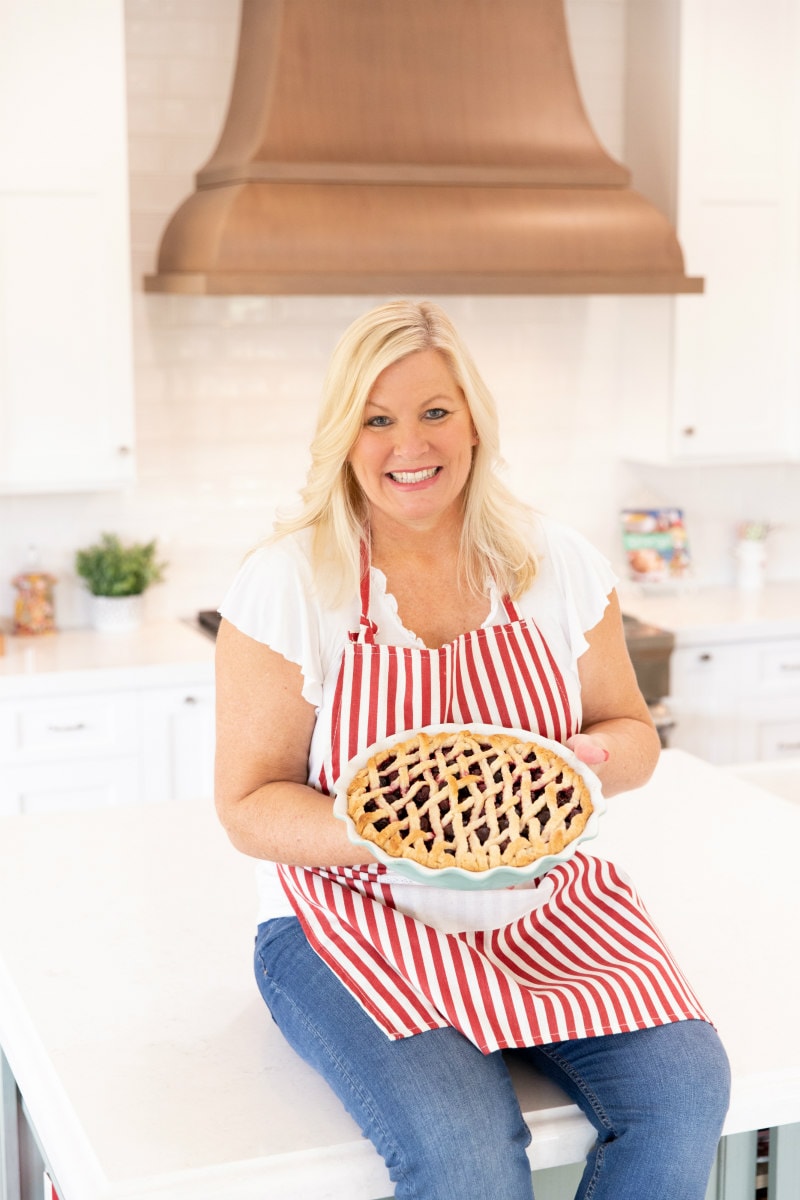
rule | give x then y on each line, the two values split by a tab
688	431
706	657
123	451
190	699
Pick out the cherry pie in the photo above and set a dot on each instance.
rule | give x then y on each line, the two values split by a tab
469	800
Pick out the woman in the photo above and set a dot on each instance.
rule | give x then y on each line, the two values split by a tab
366	615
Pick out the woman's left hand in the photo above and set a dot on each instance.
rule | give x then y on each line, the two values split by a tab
587	749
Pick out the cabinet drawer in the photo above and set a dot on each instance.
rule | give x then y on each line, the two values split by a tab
67	727
779	668
703	677
69	786
779	739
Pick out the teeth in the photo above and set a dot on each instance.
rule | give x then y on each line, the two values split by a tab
413	476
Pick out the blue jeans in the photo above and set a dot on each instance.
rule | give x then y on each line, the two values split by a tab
446	1119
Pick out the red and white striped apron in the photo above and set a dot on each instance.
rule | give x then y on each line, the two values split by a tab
580	957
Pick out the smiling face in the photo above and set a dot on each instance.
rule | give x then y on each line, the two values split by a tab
413	456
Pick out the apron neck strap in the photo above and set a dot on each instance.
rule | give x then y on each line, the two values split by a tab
367	628
511	608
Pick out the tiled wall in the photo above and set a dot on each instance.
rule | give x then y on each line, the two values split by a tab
227	388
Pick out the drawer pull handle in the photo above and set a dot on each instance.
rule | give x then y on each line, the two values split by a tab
793	746
67	728
790	666
705	657
190	699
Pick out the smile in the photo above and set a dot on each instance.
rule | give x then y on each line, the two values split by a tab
414	476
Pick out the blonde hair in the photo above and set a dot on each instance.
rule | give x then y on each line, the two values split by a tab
493	539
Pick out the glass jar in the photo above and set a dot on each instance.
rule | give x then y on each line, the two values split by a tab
34	606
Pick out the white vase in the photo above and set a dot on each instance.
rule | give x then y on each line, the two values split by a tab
116	614
751	561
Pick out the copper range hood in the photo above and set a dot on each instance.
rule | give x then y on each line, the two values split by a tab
412	146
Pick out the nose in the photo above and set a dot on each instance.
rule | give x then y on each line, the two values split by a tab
410	440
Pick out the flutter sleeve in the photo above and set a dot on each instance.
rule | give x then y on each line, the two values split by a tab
272	600
581	579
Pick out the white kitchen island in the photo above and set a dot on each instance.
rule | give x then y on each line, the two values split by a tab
150	1070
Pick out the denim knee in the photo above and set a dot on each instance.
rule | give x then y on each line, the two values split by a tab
462	1141
657	1098
444	1117
672	1074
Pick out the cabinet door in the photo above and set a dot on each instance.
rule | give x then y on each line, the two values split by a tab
779	739
70	786
712	127
179	744
717	740
66	379
735	347
704	699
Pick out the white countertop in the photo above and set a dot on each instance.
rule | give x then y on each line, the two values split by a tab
719	614
131	1020
82	659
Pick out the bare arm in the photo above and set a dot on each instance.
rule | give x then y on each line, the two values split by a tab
615	714
264	729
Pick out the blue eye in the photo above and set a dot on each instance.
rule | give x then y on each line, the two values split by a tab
435	414
377	422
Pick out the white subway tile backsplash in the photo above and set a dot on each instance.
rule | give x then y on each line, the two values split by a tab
190	76
154	191
144	34
194	35
144	114
146	154
178	112
145	77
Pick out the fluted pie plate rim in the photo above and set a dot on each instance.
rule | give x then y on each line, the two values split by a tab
458	877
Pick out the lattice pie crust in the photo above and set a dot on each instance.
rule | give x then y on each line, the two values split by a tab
469	800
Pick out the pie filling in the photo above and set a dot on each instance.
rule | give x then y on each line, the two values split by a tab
469	800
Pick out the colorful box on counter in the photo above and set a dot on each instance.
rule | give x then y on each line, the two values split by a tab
656	544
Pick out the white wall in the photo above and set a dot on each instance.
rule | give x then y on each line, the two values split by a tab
227	387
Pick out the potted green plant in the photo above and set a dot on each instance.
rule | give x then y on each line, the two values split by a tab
116	574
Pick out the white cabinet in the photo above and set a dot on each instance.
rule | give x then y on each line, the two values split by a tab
94	749
179	739
66	377
61	787
704	702
714	129
737	702
68	751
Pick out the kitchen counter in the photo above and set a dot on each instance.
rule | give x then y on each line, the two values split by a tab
82	659
151	1069
718	614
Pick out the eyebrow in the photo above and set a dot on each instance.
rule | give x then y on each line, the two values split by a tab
426	403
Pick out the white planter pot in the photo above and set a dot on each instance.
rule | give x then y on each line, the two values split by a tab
116	614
